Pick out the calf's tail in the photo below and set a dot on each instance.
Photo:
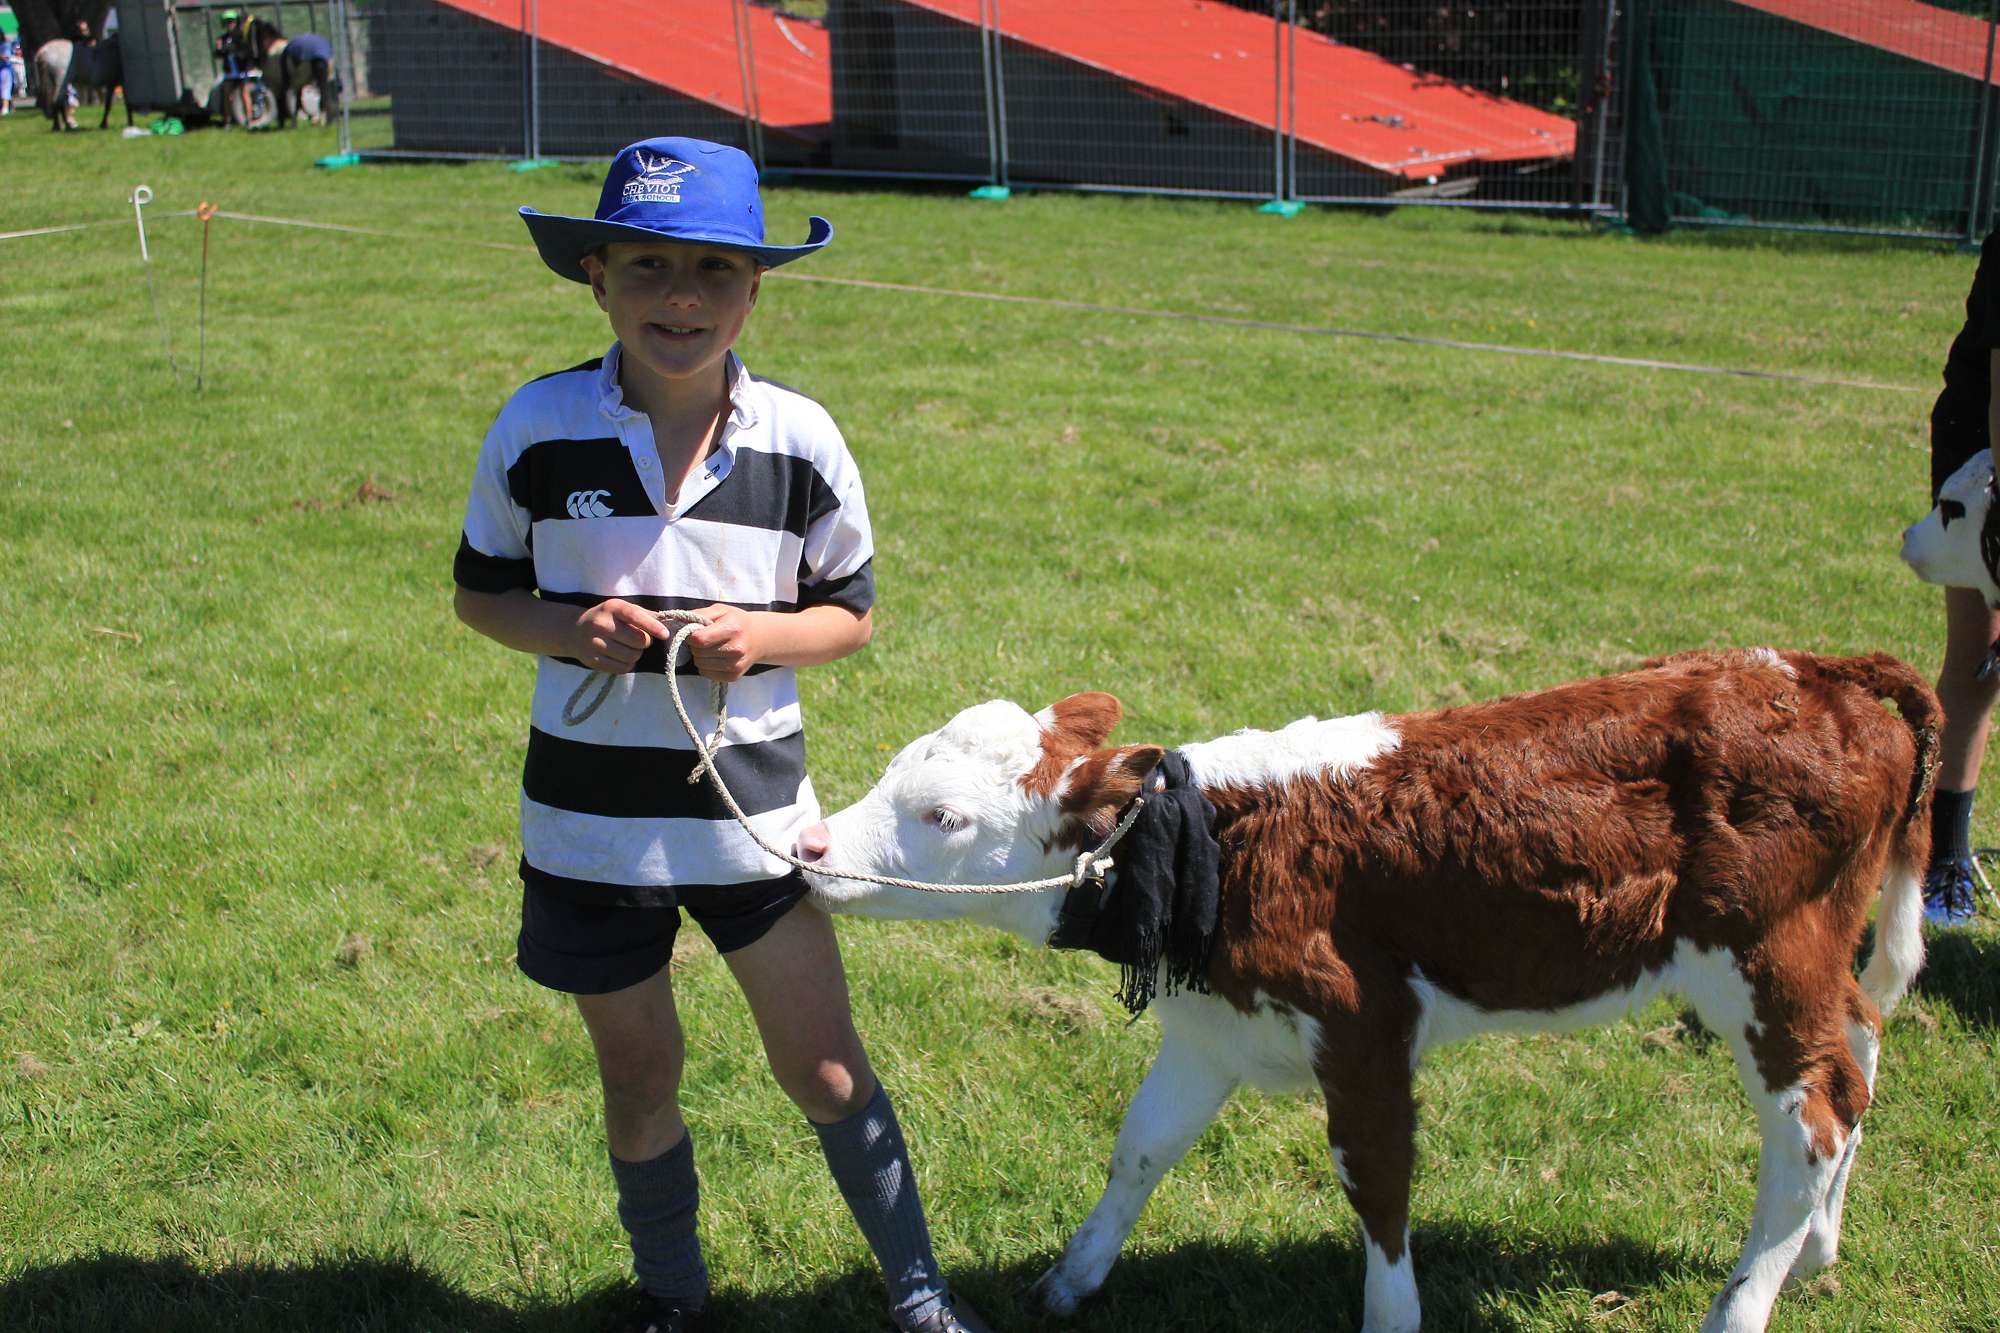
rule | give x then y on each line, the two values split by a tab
1899	939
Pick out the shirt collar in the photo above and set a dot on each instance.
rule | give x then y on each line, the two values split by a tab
742	404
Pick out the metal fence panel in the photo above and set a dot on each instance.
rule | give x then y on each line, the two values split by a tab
912	91
1872	114
1836	114
1133	94
1501	104
441	79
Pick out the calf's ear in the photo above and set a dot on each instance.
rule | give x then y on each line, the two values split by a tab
1098	789
1083	720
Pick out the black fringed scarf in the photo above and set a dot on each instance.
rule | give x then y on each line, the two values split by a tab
1160	904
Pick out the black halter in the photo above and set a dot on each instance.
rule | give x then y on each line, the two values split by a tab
1156	916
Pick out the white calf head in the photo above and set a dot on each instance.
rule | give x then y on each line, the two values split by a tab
998	795
1958	542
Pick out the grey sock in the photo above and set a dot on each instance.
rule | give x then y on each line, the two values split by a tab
871	1166
657	1202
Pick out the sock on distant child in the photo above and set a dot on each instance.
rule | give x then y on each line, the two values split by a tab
871	1166
657	1202
1951	825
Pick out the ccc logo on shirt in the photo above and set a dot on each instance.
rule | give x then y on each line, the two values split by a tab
588	504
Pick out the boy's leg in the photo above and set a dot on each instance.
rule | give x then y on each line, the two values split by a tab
797	990
613	962
1970	630
636	1033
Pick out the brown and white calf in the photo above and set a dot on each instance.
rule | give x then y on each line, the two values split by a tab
1716	825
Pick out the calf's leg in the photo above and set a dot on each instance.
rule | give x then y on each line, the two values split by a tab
1864	1037
1177	1100
1371	1124
1808	1091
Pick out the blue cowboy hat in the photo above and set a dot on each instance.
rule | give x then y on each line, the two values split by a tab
670	189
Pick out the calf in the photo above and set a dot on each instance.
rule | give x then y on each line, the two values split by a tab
1958	542
1716	825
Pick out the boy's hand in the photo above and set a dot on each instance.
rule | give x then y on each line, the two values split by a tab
611	635
727	646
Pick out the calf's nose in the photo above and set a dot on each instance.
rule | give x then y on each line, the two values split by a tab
812	844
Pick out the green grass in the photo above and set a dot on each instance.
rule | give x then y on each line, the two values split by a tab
265	1062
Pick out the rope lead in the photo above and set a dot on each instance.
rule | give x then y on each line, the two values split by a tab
1090	864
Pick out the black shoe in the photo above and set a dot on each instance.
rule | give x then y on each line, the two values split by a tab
954	1318
650	1314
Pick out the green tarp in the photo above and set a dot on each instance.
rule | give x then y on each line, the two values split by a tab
1738	112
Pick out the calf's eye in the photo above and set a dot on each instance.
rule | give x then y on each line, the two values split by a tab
947	819
1949	510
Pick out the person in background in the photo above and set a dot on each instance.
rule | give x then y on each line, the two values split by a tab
10	72
232	50
1962	425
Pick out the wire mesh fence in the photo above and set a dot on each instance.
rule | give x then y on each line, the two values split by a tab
193	59
1863	114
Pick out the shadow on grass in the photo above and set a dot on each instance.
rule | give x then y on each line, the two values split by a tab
1206	1286
116	1291
1196	1287
1962	969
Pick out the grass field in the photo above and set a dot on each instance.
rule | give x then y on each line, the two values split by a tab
265	1062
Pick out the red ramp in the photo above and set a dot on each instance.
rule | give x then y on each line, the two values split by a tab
1924	33
691	49
1349	102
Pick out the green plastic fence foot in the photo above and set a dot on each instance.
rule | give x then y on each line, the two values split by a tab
1284	208
530	164
990	192
339	160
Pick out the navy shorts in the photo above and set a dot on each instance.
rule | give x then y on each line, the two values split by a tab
589	948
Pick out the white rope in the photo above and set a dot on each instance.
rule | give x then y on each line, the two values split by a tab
1130	312
1088	864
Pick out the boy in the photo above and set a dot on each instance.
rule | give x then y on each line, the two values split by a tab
1962	425
665	476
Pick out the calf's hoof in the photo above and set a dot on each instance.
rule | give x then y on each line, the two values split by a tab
1056	1294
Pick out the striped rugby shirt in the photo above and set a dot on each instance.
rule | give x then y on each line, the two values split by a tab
569	501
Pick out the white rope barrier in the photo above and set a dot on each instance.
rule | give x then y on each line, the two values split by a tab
1129	312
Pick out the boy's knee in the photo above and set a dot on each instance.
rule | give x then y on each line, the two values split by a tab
643	1087
828	1091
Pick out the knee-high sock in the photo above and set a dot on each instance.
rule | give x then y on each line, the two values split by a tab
871	1165
657	1202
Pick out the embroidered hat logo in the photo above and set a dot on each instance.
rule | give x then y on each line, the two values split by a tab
659	178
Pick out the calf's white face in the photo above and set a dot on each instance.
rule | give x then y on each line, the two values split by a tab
996	796
1958	542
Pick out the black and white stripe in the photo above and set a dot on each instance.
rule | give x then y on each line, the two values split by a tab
567	501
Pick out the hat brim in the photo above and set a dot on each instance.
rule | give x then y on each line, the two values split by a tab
564	241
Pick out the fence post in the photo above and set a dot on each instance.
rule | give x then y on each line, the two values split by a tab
343	59
534	81
1277	103
345	81
992	113
1982	184
999	77
746	74
1586	176
1291	99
